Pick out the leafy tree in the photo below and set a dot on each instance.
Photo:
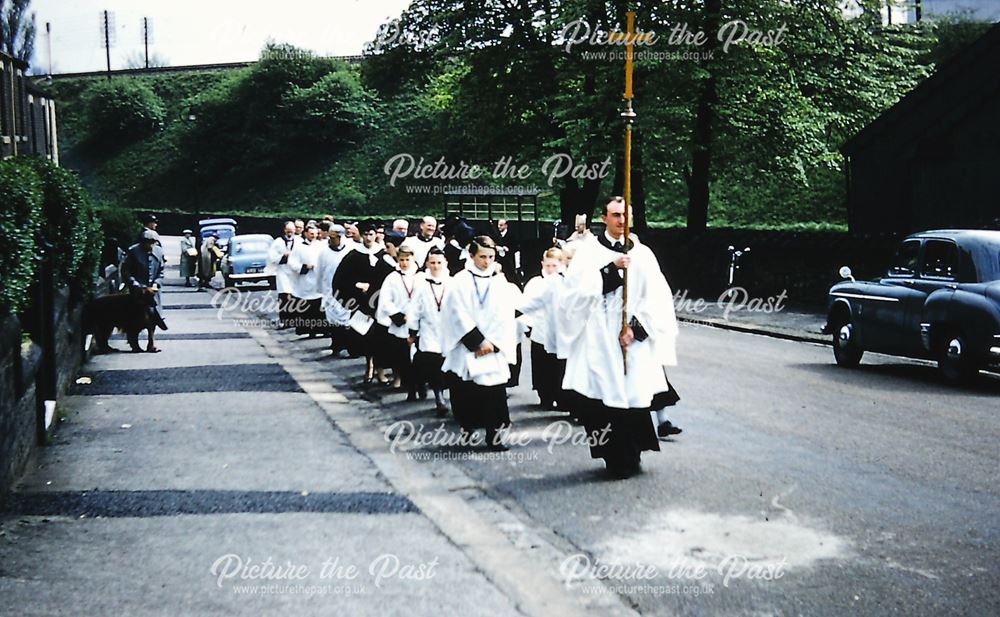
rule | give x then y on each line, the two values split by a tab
17	29
333	110
123	109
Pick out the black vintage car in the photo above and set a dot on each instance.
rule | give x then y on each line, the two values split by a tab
940	300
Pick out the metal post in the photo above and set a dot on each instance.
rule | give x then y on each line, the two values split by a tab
47	377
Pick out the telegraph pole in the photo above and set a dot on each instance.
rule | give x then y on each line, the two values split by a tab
145	37
107	41
48	44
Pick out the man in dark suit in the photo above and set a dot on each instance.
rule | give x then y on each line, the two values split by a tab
144	278
507	249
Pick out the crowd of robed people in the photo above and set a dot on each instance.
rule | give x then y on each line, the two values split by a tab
443	309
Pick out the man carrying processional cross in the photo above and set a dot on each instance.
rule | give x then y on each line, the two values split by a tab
618	328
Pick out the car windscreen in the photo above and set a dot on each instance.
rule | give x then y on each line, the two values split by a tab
223	232
247	247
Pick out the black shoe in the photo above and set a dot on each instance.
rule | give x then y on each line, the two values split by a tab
667	429
441	411
622	470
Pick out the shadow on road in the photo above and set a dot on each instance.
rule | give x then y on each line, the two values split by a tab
903	377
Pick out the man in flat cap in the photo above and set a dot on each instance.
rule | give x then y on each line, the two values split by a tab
144	278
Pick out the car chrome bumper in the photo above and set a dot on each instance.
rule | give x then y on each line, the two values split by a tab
255	275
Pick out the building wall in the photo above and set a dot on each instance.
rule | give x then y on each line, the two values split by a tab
27	117
942	180
905	11
984	10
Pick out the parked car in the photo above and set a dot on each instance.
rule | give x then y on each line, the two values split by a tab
939	300
224	227
246	261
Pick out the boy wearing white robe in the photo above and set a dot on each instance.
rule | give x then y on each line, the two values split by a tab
538	314
424	322
479	339
393	305
590	300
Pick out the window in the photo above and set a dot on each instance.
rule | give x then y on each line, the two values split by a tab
940	259
907	257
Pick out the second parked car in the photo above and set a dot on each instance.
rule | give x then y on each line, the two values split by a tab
246	260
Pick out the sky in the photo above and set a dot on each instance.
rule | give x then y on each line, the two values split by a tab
202	31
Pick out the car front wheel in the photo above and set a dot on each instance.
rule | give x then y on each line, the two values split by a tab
954	358
846	350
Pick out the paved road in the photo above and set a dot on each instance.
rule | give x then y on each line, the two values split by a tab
818	490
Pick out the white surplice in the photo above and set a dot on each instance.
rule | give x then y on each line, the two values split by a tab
329	261
282	271
425	312
538	309
305	285
590	323
395	297
485	301
421	247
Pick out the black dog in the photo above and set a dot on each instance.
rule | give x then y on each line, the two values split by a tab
103	315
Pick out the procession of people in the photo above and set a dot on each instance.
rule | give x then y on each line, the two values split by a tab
443	309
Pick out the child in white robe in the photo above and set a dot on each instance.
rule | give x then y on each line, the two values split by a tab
479	338
424	323
538	314
393	305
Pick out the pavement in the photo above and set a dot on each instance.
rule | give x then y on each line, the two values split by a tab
736	310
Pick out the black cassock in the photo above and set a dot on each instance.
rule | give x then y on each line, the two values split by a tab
356	268
507	263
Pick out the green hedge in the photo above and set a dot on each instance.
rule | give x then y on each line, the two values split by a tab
122	109
42	199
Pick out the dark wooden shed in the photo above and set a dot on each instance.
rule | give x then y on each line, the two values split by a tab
933	159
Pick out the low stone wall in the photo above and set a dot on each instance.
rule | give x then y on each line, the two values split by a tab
21	410
17	402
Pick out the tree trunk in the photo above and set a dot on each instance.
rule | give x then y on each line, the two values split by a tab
701	158
575	199
638	189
